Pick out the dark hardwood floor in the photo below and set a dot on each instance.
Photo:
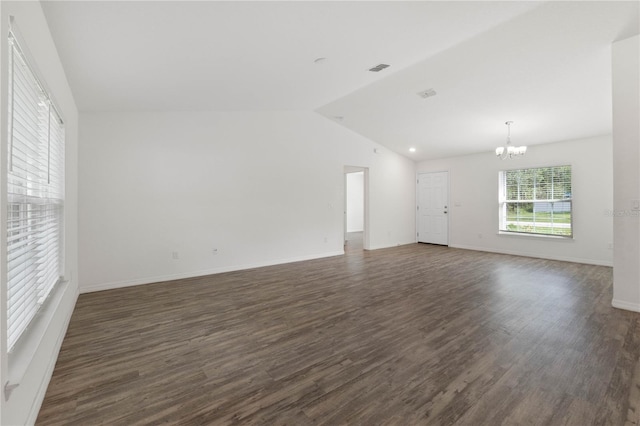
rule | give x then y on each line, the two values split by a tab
417	334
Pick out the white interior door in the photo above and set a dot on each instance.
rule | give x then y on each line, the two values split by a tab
433	208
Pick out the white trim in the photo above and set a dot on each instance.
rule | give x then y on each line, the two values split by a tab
23	353
449	209
378	247
44	384
161	278
501	202
366	234
532	235
620	304
415	211
538	256
32	280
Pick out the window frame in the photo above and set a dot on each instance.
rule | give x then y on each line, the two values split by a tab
503	203
35	198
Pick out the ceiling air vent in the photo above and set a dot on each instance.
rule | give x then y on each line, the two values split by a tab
379	67
427	93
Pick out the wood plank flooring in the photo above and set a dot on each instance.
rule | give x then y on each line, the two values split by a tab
417	334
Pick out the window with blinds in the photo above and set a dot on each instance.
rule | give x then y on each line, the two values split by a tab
537	201
35	195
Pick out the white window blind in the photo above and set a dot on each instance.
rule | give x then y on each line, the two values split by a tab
537	201
35	195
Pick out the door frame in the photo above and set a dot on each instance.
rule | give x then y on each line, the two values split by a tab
365	230
448	201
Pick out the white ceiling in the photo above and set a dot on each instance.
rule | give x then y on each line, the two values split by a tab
548	71
546	66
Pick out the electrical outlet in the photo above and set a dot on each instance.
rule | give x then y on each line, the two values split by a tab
175	255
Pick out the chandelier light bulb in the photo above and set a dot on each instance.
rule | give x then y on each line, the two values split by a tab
510	151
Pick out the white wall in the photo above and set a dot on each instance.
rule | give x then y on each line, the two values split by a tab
261	187
33	368
355	202
626	166
473	213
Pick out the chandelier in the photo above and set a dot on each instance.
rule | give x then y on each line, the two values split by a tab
510	151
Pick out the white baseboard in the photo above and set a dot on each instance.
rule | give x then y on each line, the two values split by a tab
620	304
536	255
383	246
161	278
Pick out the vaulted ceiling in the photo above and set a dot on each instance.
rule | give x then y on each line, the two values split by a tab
544	65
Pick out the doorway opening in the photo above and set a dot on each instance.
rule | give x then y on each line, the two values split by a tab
356	183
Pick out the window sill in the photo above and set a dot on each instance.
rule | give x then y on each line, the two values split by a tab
27	346
525	235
